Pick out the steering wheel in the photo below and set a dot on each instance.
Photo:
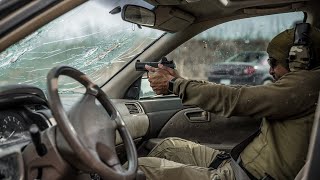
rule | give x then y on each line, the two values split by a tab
92	137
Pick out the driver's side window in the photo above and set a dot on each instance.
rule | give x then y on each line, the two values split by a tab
230	53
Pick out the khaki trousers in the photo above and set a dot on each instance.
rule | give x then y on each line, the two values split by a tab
175	159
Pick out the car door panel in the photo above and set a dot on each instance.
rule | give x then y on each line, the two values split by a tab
159	112
207	128
169	118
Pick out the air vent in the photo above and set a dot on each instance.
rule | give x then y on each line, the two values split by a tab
133	108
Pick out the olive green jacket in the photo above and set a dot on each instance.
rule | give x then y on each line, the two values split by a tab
287	107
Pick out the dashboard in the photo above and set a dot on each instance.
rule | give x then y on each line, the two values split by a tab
20	107
12	125
24	105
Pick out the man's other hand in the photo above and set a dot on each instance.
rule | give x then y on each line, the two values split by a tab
159	78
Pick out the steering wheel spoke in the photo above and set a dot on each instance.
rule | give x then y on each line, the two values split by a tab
107	154
90	127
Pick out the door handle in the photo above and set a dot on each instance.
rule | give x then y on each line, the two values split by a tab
197	116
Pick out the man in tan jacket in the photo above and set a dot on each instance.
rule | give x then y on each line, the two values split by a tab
287	108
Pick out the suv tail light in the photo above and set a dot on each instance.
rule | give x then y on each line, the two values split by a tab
249	70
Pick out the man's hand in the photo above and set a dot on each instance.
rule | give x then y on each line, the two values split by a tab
160	77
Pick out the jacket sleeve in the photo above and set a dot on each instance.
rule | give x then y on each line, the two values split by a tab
285	95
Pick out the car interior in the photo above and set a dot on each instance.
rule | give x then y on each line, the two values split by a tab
46	134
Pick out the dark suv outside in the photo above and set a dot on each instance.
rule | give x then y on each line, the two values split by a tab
248	67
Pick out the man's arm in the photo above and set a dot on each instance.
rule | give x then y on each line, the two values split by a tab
294	94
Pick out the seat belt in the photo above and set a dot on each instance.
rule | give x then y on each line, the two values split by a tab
236	151
239	172
219	159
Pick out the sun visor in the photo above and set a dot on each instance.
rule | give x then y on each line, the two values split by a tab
171	19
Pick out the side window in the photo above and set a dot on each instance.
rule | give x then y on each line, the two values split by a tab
232	52
145	90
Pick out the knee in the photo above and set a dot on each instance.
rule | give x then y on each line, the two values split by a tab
167	145
168	140
172	142
149	162
156	163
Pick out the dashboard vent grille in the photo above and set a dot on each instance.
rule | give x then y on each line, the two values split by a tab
133	108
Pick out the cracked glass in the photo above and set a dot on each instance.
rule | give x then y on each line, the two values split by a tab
87	38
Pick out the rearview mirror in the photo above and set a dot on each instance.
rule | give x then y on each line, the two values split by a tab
138	15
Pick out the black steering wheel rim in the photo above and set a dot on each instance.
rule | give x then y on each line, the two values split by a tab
70	134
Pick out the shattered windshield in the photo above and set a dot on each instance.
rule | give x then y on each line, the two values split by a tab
88	38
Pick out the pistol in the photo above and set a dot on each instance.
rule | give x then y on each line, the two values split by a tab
164	61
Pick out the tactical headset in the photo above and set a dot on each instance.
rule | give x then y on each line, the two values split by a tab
301	55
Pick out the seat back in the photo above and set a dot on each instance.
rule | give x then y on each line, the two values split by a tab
310	170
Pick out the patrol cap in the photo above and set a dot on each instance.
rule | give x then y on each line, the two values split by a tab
280	45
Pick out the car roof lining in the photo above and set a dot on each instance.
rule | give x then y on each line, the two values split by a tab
217	8
167	18
6	6
23	13
36	22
